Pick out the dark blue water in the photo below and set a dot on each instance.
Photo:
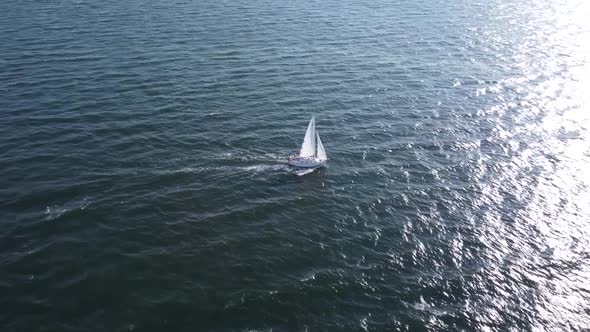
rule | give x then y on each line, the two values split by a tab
143	183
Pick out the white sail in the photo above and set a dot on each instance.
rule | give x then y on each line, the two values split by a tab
308	146
321	151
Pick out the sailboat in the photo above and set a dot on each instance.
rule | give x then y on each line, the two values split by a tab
312	153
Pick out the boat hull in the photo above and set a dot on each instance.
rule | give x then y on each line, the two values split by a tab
306	162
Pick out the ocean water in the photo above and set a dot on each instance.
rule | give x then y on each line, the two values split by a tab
143	183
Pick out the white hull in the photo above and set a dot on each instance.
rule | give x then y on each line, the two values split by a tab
306	162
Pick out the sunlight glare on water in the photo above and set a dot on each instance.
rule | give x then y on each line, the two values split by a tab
540	256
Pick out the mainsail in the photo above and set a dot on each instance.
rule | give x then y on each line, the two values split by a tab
308	148
321	152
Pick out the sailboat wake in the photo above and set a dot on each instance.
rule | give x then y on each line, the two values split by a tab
305	171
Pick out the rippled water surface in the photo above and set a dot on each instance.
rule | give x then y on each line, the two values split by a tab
143	183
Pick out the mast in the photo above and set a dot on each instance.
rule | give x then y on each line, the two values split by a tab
315	152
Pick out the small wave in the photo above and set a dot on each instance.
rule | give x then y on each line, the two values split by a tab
308	277
54	212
